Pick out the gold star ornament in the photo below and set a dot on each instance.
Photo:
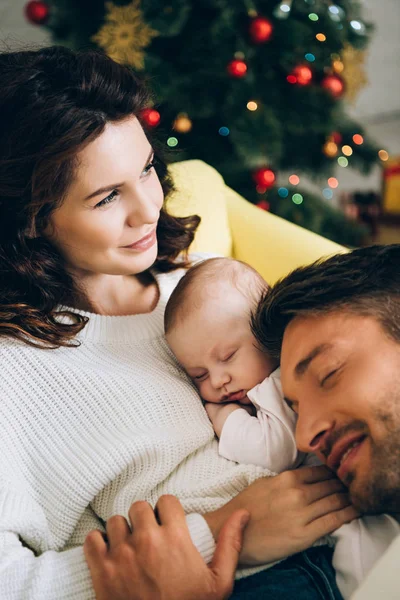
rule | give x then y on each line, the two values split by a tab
353	71
124	34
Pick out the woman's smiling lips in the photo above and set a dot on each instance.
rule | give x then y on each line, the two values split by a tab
144	243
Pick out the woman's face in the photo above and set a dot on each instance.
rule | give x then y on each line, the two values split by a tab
107	223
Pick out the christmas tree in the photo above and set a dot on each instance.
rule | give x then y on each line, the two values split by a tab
254	88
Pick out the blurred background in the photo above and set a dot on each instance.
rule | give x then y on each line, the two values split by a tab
296	102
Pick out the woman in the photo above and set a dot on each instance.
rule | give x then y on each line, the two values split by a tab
96	415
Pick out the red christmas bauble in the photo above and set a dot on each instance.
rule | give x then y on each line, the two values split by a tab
151	117
301	74
260	30
264	205
264	177
237	68
336	137
334	85
37	12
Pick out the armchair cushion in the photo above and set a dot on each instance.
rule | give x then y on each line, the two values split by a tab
231	226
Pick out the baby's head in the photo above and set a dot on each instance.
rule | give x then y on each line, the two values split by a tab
207	325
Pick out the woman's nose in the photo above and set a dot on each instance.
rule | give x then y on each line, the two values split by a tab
142	209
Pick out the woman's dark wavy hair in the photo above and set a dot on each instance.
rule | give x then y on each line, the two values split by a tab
53	103
365	282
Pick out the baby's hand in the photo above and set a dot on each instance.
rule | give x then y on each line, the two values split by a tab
218	414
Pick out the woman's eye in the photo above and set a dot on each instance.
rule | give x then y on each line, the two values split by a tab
107	200
146	171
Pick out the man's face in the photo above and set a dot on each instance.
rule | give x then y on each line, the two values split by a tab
341	374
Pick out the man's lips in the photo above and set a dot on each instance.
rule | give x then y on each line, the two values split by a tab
342	450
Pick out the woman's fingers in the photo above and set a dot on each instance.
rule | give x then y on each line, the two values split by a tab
141	516
118	530
226	555
170	511
95	545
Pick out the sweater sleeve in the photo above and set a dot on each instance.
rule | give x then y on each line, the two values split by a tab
27	573
266	440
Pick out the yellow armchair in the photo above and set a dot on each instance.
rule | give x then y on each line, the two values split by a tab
231	226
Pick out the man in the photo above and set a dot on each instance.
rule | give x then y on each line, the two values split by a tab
335	326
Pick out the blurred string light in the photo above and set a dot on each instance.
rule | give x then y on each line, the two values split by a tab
336	13
333	182
327	193
294	179
297	198
358	139
282	11
347	150
330	149
310	57
321	37
383	155
342	161
283	192
313	17
358	27
172	142
224	131
252	105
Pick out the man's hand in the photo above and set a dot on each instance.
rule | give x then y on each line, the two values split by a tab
157	559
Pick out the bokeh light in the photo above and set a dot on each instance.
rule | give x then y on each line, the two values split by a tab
342	161
172	142
252	105
333	182
383	155
327	193
358	139
297	198
224	131
283	192
321	37
294	179
347	150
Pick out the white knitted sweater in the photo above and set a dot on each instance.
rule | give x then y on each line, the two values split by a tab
86	431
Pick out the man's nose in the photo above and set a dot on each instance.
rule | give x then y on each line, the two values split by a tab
312	428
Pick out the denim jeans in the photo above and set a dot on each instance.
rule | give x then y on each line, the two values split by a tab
305	576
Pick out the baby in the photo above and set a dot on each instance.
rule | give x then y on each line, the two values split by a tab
207	325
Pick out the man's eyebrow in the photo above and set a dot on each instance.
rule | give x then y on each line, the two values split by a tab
112	186
303	365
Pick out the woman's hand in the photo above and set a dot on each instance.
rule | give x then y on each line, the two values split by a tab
157	559
288	513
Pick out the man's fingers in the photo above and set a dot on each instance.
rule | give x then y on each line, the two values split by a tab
229	545
117	530
95	545
331	521
329	504
316	473
320	489
170	511
141	516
